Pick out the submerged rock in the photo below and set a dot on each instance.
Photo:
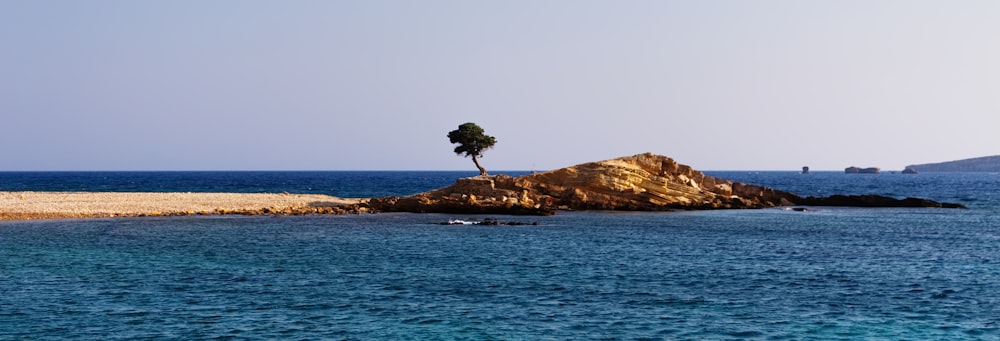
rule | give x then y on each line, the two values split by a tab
488	222
873	201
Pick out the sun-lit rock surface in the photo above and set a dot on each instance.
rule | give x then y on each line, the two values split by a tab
646	182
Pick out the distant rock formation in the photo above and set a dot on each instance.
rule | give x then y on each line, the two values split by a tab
979	164
644	182
856	170
909	170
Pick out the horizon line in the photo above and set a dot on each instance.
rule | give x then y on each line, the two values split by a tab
378	170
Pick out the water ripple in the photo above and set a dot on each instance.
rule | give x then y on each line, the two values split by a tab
714	275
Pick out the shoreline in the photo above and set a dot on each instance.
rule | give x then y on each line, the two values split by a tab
29	205
643	182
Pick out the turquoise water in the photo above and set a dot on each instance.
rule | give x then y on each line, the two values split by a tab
827	273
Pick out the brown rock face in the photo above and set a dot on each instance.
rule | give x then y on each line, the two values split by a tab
646	182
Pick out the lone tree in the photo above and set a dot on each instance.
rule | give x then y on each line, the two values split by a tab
472	141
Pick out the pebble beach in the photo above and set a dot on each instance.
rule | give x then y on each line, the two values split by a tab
63	205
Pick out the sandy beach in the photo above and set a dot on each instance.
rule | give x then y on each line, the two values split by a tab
56	205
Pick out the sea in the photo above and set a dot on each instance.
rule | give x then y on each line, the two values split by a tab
770	274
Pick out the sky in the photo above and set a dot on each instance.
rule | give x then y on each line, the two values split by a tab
377	84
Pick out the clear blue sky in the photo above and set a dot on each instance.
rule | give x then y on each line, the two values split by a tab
377	85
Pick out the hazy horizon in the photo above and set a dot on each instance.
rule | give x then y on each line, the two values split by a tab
466	169
376	85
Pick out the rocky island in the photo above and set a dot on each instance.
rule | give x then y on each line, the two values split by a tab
859	170
644	182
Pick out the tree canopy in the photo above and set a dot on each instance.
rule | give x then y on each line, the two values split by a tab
472	141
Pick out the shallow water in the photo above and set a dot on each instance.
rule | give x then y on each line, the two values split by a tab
827	273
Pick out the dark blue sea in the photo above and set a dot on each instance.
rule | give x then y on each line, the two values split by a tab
826	273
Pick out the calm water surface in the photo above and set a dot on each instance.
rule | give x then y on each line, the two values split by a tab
828	273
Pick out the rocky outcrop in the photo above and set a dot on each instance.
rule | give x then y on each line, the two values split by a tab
644	182
857	170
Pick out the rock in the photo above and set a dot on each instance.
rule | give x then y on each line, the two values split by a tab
488	222
856	170
644	182
873	201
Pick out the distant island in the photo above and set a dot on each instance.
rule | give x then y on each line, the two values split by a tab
857	170
979	164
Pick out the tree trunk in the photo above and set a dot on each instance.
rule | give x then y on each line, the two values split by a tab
482	171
